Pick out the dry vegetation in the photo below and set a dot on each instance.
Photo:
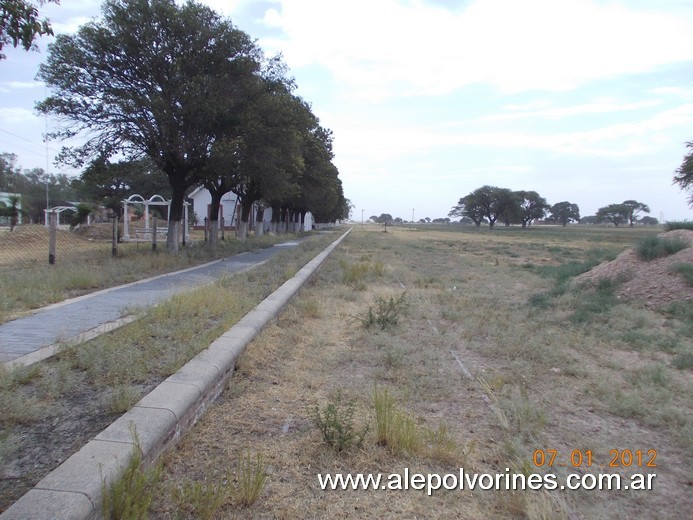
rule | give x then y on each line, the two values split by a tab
493	355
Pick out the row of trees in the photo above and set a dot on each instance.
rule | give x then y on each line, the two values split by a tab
185	89
490	204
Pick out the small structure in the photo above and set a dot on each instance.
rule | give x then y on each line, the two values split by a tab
146	233
58	210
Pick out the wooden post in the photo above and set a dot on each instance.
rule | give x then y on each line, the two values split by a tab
114	246
52	239
206	227
154	233
222	228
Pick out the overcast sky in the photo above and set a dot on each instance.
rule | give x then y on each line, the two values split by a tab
580	100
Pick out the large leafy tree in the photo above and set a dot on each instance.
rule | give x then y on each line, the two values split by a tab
564	212
468	207
617	214
532	206
151	78
487	202
20	24
684	173
634	208
108	184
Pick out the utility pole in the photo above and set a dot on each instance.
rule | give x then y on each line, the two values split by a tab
362	216
412	215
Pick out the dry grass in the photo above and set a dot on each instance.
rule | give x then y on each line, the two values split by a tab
532	379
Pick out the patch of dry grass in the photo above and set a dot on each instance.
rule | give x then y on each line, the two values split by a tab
532	379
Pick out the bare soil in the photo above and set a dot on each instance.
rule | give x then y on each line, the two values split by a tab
654	283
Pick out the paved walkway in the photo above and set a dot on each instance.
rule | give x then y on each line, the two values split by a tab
35	337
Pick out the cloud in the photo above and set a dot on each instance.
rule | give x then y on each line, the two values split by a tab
16	115
395	48
575	110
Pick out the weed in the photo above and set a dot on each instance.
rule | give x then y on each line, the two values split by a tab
385	314
202	500
685	269
354	275
656	247
395	428
336	424
122	397
130	496
250	479
596	302
683	360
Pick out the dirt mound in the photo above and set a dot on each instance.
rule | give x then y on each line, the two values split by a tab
654	282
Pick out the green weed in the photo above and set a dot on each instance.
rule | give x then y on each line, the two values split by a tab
201	499
385	314
685	269
336	424
250	479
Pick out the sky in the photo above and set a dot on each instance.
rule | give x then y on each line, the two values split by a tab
586	101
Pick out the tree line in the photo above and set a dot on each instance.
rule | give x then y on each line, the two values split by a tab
491	204
184	89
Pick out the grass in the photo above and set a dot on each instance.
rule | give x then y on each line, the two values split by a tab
540	379
38	284
685	269
105	376
654	247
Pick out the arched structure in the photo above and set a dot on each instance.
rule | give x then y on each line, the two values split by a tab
154	200
58	210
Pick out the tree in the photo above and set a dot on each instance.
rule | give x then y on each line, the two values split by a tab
487	202
564	212
648	221
635	208
384	218
532	206
20	25
151	78
108	184
684	173
615	213
589	220
469	207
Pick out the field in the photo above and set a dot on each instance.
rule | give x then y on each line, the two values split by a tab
490	360
427	350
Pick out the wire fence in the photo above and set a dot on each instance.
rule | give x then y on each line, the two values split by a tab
29	245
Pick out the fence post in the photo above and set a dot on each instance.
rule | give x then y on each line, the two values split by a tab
154	233
206	227
52	236
222	229
114	246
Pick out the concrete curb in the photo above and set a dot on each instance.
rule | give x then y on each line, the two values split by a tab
74	489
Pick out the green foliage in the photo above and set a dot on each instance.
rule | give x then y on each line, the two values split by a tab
20	24
681	224
656	247
201	499
596	302
130	497
385	314
617	214
336	424
250	479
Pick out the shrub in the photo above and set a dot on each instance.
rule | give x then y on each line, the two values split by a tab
657	247
385	314
671	226
336	424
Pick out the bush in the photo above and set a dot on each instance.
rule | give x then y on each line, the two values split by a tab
671	226
336	423
686	269
657	247
385	314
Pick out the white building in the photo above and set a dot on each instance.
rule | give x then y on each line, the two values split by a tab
228	210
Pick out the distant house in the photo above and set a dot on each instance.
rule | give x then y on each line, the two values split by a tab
228	210
5	199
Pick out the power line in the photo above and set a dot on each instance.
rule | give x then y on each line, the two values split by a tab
28	140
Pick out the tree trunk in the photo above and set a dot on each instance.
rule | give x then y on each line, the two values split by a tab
260	222
246	209
174	217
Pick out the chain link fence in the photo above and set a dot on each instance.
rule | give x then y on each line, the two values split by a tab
30	245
